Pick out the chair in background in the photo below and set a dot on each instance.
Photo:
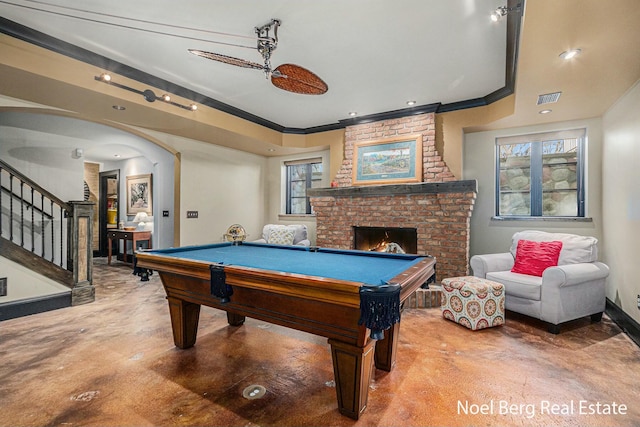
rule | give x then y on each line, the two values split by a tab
278	234
556	292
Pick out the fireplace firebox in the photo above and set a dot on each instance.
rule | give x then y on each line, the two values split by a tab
386	239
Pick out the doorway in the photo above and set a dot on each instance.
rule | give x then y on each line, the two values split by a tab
109	209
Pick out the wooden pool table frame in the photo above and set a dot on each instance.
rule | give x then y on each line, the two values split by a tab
317	305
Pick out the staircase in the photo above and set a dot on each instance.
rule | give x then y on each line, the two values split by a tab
45	235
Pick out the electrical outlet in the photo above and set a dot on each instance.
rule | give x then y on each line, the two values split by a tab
165	213
192	214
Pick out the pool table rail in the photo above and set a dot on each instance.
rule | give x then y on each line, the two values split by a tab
298	285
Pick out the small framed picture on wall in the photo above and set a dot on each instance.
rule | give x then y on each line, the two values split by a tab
139	194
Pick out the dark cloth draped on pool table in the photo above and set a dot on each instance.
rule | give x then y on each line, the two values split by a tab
379	308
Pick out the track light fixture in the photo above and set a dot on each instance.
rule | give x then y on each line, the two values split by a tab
498	13
502	11
148	94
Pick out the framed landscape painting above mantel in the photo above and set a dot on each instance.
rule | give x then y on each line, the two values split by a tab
139	194
388	161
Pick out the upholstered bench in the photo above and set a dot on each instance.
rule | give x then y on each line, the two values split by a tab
473	302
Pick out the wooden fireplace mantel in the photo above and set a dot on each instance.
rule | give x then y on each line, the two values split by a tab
470	185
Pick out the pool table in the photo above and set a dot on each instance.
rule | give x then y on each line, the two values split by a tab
353	298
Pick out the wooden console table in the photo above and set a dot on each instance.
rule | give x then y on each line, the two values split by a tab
124	235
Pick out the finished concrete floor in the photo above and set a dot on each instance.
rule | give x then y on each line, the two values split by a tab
113	363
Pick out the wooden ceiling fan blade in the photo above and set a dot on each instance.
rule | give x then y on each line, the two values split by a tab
227	59
296	79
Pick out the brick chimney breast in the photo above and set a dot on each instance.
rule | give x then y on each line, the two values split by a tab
439	208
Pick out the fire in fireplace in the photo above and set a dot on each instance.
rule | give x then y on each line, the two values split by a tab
386	239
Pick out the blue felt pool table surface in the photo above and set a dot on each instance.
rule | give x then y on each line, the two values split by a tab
370	268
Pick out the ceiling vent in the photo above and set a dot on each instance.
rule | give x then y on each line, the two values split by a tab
548	98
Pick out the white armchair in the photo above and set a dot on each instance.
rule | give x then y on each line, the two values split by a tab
573	289
279	234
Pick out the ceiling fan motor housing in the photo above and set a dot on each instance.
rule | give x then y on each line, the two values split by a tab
266	44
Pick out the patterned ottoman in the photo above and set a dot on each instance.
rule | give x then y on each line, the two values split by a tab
473	302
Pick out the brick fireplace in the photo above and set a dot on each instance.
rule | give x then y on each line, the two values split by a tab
439	208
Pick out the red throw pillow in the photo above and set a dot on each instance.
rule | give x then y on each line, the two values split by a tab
534	257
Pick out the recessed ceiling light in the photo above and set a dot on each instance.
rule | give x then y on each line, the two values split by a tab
271	150
166	98
353	113
410	103
544	111
116	155
568	54
119	107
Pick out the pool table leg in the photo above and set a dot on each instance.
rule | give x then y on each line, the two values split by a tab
235	319
385	356
184	321
352	368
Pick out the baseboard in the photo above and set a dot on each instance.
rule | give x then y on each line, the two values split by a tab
624	321
14	309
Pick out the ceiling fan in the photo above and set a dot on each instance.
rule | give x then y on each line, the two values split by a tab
289	77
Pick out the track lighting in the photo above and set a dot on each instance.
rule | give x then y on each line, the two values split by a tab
502	11
147	94
498	13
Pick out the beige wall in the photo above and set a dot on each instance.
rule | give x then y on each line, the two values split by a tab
450	128
225	186
334	141
491	236
621	200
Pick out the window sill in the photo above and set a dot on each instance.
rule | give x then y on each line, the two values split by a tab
300	217
542	218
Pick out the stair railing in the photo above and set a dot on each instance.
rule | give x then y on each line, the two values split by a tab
57	231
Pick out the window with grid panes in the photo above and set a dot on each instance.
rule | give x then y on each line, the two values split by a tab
301	175
541	175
